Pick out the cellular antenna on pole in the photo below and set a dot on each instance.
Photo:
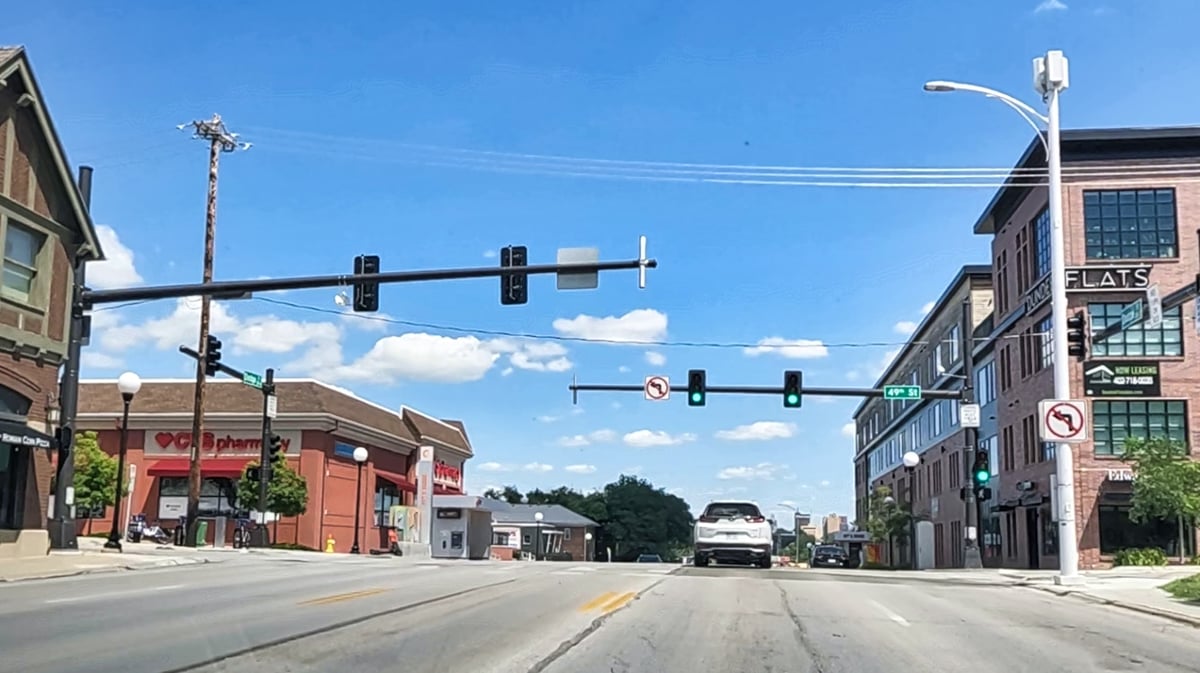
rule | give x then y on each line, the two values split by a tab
220	140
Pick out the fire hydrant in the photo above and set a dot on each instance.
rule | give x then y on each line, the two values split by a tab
329	544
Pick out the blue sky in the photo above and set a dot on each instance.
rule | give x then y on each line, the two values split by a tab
357	119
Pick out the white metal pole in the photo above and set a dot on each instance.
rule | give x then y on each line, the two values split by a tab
1068	543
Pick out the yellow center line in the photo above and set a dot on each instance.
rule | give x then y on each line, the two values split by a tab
338	598
618	602
597	601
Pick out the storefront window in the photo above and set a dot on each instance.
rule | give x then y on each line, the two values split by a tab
387	495
12	482
1118	531
218	497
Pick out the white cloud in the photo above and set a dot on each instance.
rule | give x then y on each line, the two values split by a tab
633	470
655	359
594	437
764	471
507	371
759	431
117	269
415	356
905	327
1050	6
642	325
648	438
794	349
546	419
824	483
367	322
93	359
537	467
623	369
580	469
533	355
849	429
492	466
927	307
490	254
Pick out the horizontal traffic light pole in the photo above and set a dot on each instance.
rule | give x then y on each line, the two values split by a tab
191	352
761	390
238	288
1175	299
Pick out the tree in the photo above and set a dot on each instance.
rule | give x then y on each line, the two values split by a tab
95	476
509	494
287	492
1166	483
886	520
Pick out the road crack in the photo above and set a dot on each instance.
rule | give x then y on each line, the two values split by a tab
802	639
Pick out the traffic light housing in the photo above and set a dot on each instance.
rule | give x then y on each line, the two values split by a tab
514	285
212	355
1077	336
793	389
274	447
366	295
254	473
981	473
697	388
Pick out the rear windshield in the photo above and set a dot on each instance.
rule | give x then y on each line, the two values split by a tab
829	549
732	510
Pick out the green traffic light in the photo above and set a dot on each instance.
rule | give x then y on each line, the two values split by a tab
697	397
982	476
793	399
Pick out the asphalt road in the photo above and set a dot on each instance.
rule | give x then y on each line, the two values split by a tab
271	616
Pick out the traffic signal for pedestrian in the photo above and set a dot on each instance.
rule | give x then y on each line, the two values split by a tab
212	355
1077	336
793	389
981	473
366	295
514	286
274	447
697	390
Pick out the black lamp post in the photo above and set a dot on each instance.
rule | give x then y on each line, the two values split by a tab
129	384
360	457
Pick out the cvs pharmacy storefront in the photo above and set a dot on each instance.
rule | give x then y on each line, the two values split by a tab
320	426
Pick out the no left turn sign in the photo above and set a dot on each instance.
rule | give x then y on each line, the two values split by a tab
1063	421
658	388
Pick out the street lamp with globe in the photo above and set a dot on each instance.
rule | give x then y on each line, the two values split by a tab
128	384
360	457
587	546
911	460
537	542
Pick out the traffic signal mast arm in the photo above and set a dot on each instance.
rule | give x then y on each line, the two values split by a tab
221	366
1174	300
763	390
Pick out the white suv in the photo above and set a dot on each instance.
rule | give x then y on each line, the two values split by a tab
732	531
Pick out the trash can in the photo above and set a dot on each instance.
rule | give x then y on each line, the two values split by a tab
201	533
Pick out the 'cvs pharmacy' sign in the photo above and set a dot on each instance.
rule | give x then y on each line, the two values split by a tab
209	441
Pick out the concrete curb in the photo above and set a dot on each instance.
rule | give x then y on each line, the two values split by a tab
167	563
1190	620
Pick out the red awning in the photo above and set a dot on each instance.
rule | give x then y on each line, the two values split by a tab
402	482
210	467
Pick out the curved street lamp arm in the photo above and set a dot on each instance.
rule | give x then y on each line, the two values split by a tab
1027	112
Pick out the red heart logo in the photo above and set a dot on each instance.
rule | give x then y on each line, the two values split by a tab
164	439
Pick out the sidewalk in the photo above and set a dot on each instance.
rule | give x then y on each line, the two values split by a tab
1132	588
83	562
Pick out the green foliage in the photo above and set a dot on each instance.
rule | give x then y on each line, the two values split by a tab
95	474
634	517
798	551
1166	481
287	492
886	520
1140	557
1184	588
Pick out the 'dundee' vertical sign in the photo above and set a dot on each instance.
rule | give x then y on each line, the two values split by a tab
425	493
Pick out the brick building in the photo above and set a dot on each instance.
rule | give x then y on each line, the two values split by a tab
887	429
320	426
1129	217
44	223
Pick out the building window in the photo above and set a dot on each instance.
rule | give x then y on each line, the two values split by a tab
953	340
1046	346
1137	341
387	495
1129	224
1119	531
1113	422
218	496
22	246
1041	245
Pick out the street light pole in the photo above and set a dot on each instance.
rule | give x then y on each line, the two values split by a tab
360	457
1051	78
128	384
537	543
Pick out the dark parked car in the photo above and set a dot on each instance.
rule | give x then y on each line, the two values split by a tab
830	555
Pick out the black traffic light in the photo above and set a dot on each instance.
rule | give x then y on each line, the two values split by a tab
793	389
212	355
981	473
366	295
697	390
254	473
514	286
274	447
1077	336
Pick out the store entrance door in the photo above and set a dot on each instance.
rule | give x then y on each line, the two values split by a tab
13	465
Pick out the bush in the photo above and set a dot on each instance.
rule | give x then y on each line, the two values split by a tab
1184	588
1140	557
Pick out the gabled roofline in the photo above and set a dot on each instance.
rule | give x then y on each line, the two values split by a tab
18	63
1034	156
964	276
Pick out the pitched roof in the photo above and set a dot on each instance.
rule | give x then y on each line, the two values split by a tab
552	515
14	61
450	434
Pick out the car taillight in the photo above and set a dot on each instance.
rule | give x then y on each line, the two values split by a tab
709	519
756	519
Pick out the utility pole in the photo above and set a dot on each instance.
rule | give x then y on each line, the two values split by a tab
265	469
219	140
971	556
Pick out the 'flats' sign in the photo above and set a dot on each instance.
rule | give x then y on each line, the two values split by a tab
1092	278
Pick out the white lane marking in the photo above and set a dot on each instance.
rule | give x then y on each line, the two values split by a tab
890	615
113	594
